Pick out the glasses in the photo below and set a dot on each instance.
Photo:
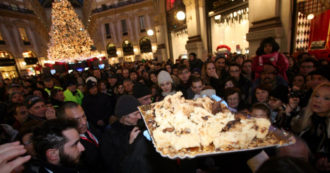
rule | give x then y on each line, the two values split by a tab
234	71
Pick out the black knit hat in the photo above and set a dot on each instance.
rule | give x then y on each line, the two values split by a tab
140	90
126	104
281	93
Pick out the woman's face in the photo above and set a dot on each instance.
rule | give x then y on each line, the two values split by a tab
268	48
229	84
298	81
210	69
166	86
321	101
153	78
233	100
121	89
262	95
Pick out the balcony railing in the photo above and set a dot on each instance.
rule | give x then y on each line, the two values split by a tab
112	6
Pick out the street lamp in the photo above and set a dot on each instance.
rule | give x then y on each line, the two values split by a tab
180	15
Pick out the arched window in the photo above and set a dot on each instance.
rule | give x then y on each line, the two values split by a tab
128	48
145	45
111	50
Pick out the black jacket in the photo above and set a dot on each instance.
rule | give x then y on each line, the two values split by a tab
97	107
44	167
91	159
115	146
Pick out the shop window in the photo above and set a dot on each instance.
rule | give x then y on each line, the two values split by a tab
24	36
111	50
30	58
6	59
124	27
1	39
142	24
145	45
107	30
127	48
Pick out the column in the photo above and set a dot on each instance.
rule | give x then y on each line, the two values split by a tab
195	20
269	18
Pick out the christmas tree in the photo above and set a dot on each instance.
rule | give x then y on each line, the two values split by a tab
69	41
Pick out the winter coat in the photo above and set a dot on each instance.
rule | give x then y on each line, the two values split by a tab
77	97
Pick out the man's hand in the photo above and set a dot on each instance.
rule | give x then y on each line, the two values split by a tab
134	133
9	156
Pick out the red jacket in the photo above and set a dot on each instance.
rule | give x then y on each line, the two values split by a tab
278	60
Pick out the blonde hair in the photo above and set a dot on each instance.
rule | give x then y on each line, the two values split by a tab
308	111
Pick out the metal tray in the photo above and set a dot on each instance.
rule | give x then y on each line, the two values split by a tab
285	137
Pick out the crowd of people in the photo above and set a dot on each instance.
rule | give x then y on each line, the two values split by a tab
89	122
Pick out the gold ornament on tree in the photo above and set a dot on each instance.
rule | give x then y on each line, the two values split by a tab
69	41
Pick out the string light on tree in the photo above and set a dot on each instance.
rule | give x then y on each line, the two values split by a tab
69	41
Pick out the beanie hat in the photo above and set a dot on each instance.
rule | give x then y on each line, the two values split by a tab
281	93
140	90
32	100
126	104
90	84
163	77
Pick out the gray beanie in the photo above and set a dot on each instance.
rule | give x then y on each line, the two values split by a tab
126	104
163	77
